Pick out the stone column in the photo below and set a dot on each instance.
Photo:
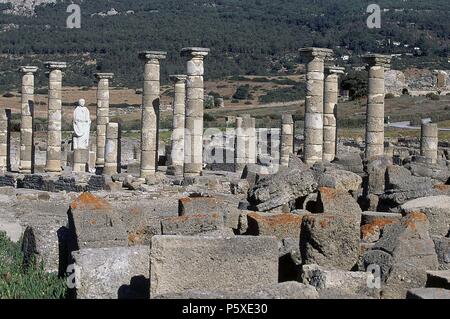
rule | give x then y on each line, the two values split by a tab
26	122
54	116
330	100
150	112
429	142
178	125
377	64
193	143
111	149
102	115
245	143
286	139
5	116
313	147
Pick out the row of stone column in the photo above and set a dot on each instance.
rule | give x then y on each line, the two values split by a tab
321	100
53	161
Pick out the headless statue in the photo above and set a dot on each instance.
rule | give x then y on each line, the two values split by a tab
81	126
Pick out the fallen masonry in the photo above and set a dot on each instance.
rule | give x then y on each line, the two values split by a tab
249	212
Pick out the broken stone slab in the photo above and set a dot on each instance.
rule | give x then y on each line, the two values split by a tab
338	202
373	223
442	245
281	188
93	223
182	263
330	240
41	244
346	282
438	279
189	225
340	180
282	291
112	273
428	293
403	254
351	161
281	226
437	209
434	171
205	205
400	178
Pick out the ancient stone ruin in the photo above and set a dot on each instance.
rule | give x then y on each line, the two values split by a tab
240	213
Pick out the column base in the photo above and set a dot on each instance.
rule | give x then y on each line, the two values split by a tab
175	170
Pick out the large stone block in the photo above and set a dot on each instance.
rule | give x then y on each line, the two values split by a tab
437	209
179	264
403	254
192	224
281	226
112	273
94	224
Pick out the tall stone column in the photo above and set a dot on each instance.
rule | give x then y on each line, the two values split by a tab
5	164
178	125
54	116
377	64
26	122
429	142
111	149
245	143
102	115
286	139
150	112
193	143
330	100
313	148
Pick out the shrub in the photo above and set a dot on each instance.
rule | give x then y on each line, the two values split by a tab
20	282
433	97
208	117
242	92
389	96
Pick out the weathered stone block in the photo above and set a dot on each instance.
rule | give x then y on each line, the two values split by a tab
112	273
179	264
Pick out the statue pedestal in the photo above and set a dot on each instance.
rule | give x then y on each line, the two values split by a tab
80	160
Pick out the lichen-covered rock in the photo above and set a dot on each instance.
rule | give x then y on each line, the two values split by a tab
404	253
437	209
340	180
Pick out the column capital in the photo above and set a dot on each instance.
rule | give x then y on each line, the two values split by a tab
194	52
178	78
55	65
312	52
377	60
287	118
331	69
100	76
28	69
152	55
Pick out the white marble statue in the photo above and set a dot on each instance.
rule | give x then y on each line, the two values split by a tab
81	126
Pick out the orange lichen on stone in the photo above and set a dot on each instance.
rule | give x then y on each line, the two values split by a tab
376	225
441	187
89	201
185	200
329	193
413	218
135	211
93	222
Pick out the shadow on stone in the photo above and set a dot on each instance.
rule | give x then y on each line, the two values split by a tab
139	288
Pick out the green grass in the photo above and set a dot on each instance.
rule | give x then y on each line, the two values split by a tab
18	282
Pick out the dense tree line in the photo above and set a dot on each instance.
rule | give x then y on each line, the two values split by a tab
246	37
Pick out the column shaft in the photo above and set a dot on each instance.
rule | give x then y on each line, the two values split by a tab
26	123
102	116
111	149
150	112
429	142
286	139
54	117
5	164
193	148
